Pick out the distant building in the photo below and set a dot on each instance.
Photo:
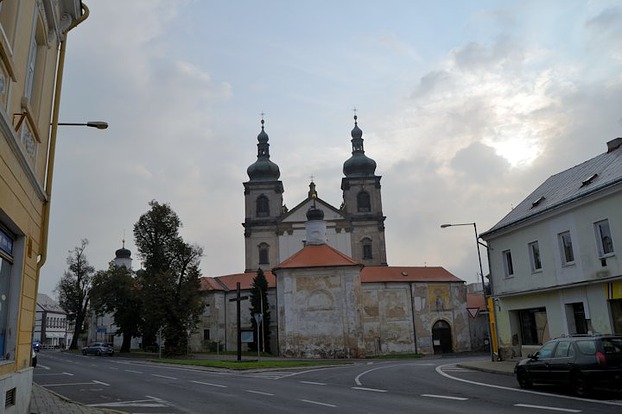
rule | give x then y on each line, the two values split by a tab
555	258
330	289
32	48
51	324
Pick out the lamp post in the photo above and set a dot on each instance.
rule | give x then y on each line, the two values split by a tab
90	124
481	274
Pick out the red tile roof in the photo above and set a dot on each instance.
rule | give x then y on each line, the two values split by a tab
371	274
229	282
317	256
475	300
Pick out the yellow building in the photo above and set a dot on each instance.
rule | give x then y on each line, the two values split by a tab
32	46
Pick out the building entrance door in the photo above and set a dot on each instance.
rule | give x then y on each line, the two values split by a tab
441	338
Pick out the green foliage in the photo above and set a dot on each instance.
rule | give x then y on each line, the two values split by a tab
259	304
116	291
74	289
170	280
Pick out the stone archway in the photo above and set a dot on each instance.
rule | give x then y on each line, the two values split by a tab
441	337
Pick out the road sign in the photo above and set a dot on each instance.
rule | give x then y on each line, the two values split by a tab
473	312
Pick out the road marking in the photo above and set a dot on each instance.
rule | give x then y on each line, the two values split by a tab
544	407
68	373
440	370
368	389
102	383
312	383
260	393
319	403
445	397
43	366
133	371
164	376
210	384
136	403
67	384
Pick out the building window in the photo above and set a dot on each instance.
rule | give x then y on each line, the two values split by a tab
263	206
263	253
207	310
363	202
533	323
565	244
206	334
367	249
603	238
9	296
534	257
507	263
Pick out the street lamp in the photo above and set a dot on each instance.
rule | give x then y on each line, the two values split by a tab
481	274
91	124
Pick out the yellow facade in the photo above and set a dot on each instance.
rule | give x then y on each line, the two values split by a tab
32	45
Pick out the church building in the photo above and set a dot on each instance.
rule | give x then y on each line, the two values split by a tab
331	291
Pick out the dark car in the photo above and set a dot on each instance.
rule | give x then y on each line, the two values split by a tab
582	362
98	348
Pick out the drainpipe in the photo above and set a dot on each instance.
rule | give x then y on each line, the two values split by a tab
45	223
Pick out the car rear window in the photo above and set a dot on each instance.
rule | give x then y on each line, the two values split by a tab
587	347
612	345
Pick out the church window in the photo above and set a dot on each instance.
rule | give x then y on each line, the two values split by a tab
363	202
264	249
263	206
367	250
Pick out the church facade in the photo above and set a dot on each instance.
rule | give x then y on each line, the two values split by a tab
331	291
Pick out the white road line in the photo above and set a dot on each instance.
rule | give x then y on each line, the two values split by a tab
312	383
133	371
544	407
102	383
43	366
445	397
67	384
260	393
440	370
210	384
368	389
164	376
68	373
319	403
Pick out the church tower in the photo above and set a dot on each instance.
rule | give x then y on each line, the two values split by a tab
363	204
263	201
123	257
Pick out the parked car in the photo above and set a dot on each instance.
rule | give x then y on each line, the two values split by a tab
98	348
580	362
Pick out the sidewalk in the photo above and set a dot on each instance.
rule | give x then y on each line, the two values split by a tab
498	367
44	401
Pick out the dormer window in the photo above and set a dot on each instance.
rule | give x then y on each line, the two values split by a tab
589	180
538	201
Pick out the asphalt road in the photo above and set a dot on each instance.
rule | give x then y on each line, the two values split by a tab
428	385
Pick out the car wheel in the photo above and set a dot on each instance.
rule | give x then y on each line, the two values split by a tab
523	378
83	352
99	353
580	385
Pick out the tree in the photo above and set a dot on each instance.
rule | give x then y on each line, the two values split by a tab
116	291
259	304
74	289
169	282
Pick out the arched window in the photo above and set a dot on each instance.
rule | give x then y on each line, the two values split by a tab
264	250
367	250
363	202
263	206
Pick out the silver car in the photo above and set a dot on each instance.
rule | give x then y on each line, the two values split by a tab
98	348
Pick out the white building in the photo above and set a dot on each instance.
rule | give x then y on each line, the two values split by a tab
554	259
51	329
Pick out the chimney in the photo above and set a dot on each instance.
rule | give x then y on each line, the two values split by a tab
614	144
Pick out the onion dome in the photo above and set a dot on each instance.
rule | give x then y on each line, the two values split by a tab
263	169
123	253
359	165
315	214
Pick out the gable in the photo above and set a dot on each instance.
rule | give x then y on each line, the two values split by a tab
298	214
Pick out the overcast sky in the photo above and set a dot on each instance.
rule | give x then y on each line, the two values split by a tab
466	106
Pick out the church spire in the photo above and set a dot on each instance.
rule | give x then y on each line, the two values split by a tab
263	169
359	164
